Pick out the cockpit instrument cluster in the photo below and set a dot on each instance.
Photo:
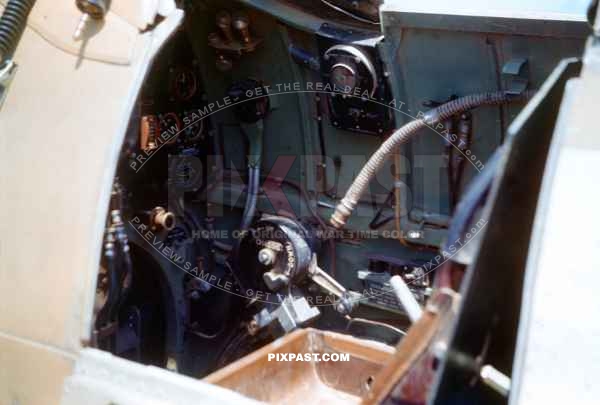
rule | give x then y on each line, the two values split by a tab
350	64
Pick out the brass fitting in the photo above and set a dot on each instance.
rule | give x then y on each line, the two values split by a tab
223	20
240	24
162	219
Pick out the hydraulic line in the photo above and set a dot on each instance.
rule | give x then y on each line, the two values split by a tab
106	314
12	25
254	133
398	199
439	114
251	197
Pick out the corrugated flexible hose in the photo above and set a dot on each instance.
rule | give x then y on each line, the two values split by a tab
12	24
439	114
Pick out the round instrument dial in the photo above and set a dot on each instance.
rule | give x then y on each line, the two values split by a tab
184	84
193	130
343	76
170	125
351	67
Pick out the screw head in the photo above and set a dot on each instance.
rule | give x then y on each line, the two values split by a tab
266	257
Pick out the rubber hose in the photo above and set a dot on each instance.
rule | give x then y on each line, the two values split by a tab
12	25
106	314
251	197
407	132
126	279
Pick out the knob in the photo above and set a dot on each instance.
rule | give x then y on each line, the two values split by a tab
223	63
163	219
266	257
224	23
240	24
95	8
91	9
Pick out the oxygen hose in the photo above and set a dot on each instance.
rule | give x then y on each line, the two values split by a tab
251	198
434	116
254	133
12	25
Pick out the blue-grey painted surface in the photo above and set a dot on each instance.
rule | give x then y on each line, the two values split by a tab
429	57
539	9
428	63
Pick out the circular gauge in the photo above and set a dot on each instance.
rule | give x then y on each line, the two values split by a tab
170	125
185	172
350	66
343	77
184	83
193	131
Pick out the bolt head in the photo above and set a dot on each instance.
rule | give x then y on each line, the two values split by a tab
266	257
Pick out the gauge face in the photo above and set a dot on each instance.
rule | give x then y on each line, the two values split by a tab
186	173
170	125
184	84
343	77
193	131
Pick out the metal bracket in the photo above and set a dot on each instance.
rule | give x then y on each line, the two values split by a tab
7	73
291	314
517	75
